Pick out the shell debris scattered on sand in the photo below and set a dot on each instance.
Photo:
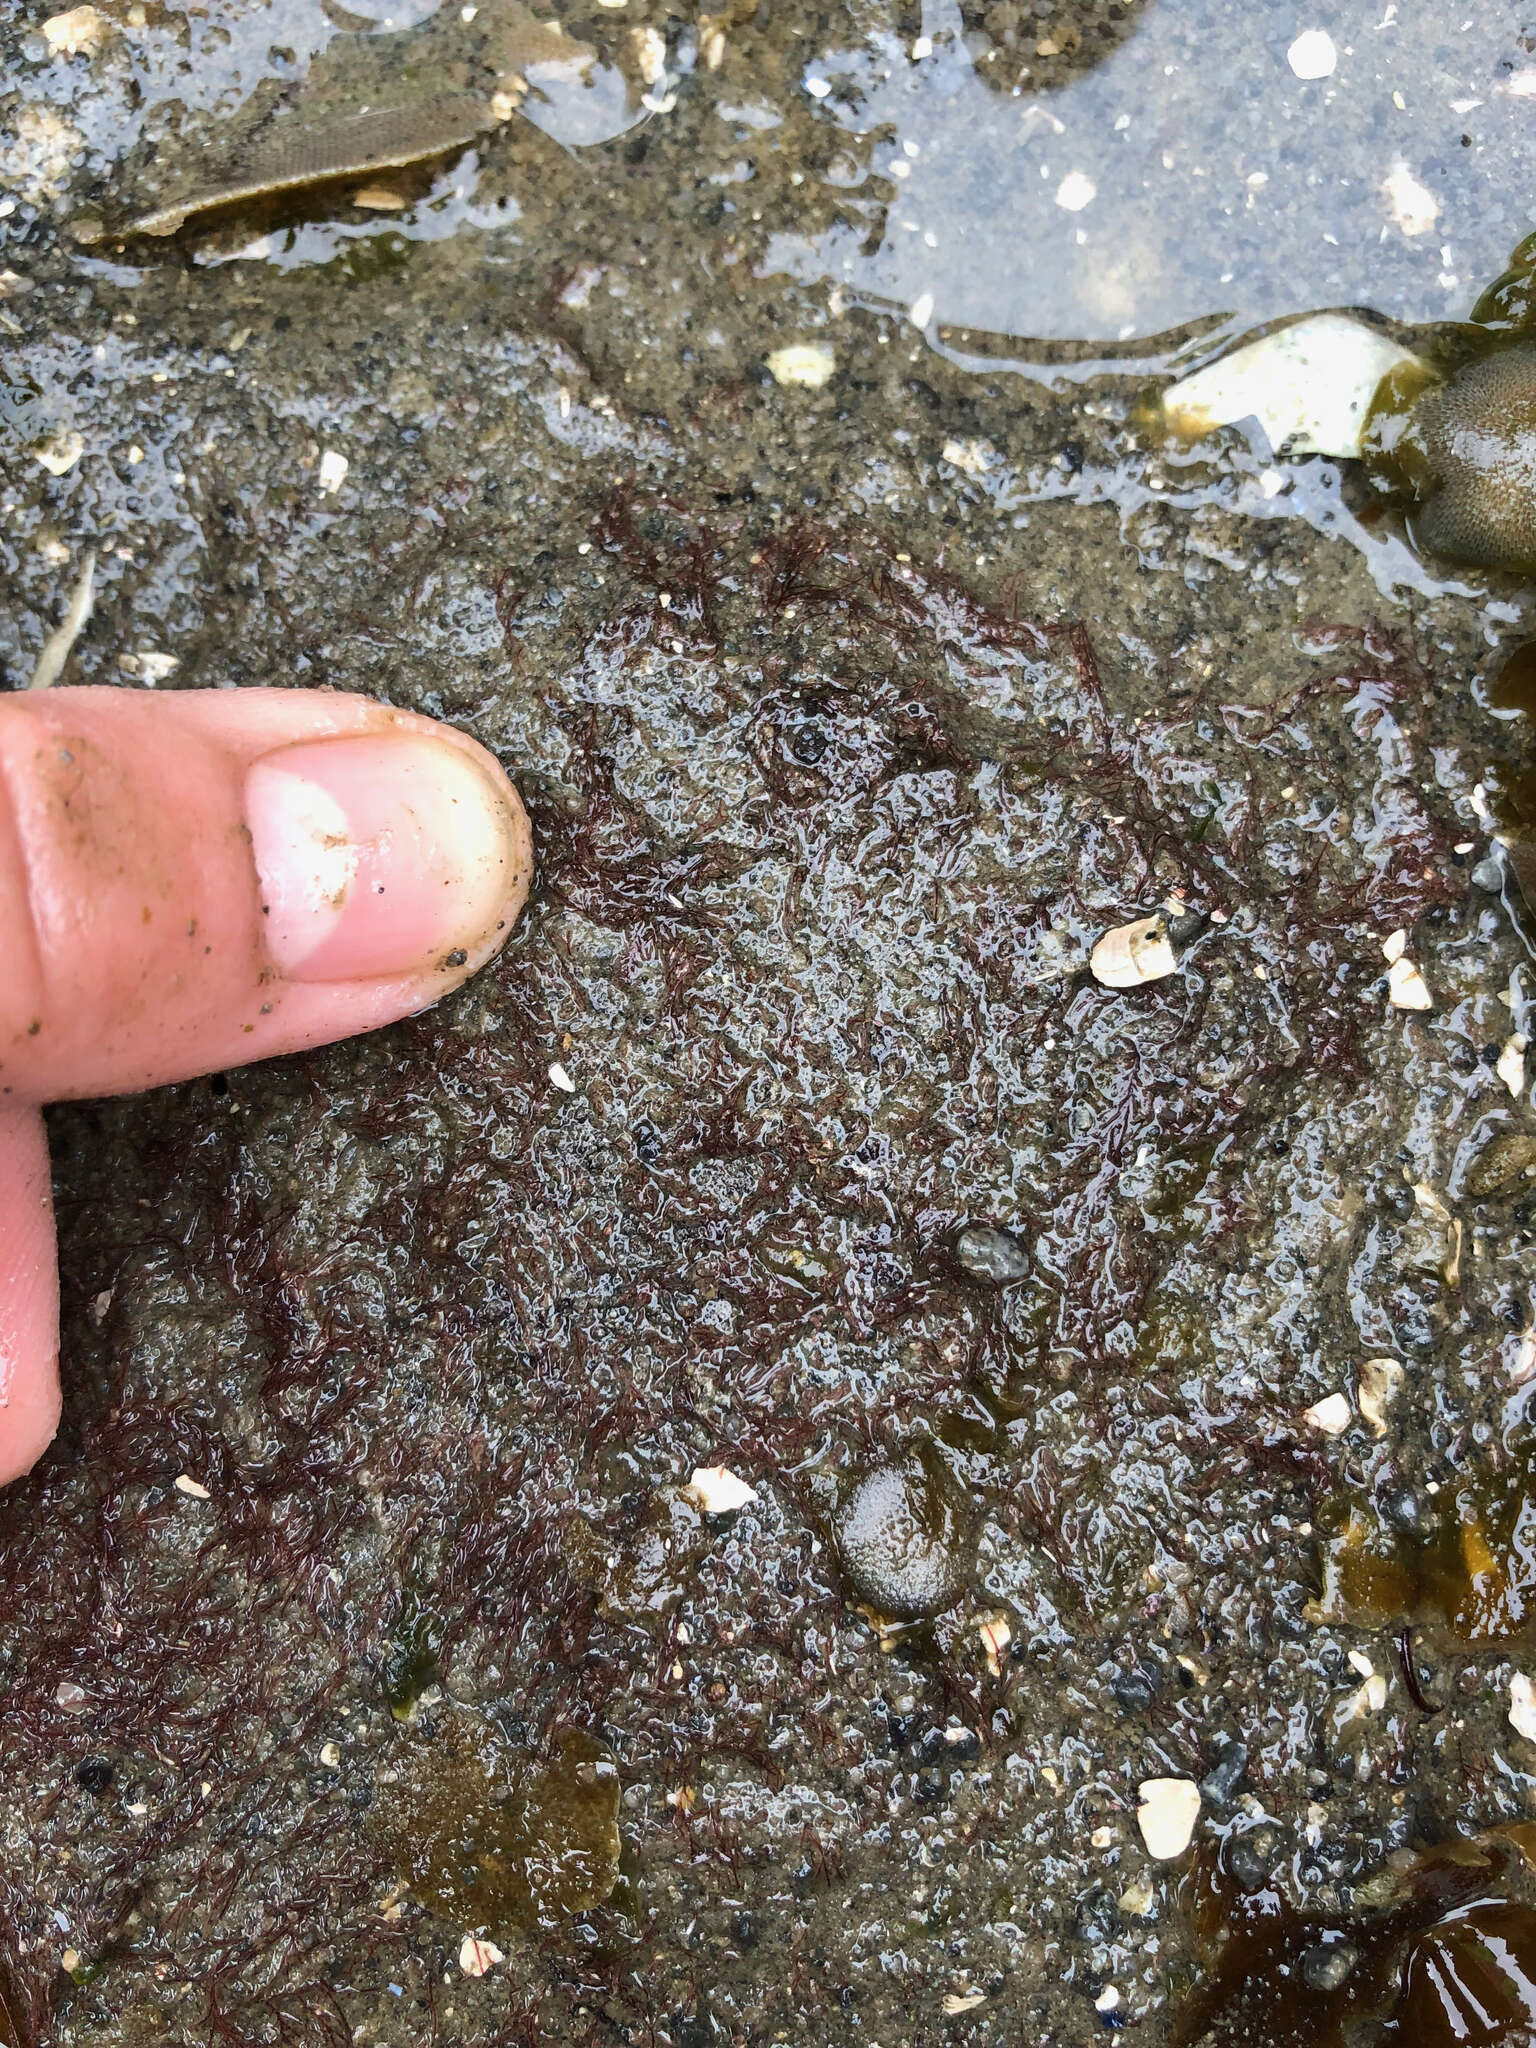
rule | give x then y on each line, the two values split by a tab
1309	386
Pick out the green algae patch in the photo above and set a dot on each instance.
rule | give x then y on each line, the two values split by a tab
410	1661
496	1840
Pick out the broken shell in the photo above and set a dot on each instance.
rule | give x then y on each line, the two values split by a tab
60	452
1134	953
476	1955
716	1490
1511	1066
191	1487
319	147
1380	1379
79	33
1309	386
995	1635
1166	1816
333	472
1522	1706
1313	54
1331	1416
56	648
804	364
1406	987
380	199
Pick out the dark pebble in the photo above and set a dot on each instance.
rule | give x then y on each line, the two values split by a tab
1225	1775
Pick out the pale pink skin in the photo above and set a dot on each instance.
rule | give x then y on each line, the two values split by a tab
193	881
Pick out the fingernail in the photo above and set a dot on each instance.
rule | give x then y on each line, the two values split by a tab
393	854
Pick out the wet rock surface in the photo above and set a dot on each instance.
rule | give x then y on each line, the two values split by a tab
850	715
903	1539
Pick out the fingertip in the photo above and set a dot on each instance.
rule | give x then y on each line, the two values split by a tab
384	855
29	1296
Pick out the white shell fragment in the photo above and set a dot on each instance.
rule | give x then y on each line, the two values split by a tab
1522	1706
60	452
806	365
1380	1379
963	2001
79	33
1511	1066
477	1955
56	648
1166	1816
995	1635
1406	987
333	471
1412	208
1330	1416
717	1491
191	1487
1076	191
330	1756
1134	953
560	1079
1313	54
1308	385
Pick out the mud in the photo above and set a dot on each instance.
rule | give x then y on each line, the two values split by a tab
849	717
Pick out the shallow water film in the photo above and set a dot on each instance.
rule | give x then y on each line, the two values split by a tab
908	1423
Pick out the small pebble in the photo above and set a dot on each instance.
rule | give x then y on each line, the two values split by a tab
69	1697
332	472
992	1255
904	1538
1221	1781
1328	1965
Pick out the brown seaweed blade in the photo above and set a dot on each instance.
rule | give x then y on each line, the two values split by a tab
298	152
